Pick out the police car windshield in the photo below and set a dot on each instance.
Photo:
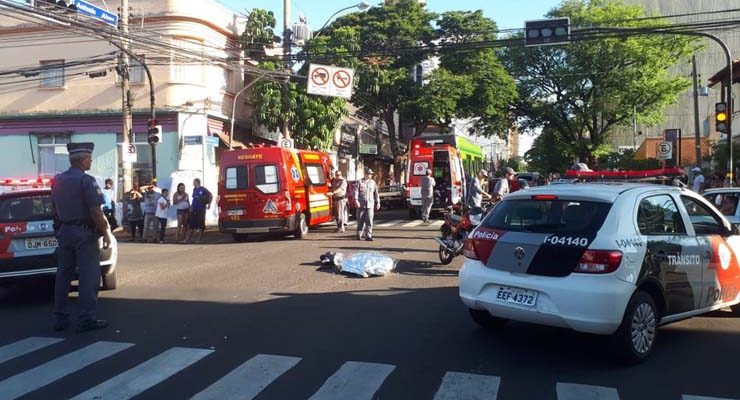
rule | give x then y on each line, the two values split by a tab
551	216
25	208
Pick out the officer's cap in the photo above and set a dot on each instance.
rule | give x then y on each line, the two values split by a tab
80	148
368	171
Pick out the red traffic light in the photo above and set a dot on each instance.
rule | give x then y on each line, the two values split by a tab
152	122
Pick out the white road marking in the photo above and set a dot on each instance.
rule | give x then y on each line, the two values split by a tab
574	391
145	375
25	346
437	223
354	380
26	382
389	223
413	224
462	386
249	379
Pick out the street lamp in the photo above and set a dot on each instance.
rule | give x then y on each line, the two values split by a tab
233	108
362	6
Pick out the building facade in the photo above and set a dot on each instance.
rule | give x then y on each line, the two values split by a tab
63	86
709	60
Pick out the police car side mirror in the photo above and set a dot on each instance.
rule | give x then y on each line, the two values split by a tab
734	229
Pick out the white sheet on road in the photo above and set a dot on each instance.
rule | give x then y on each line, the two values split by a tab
25	346
574	391
36	378
354	380
462	386
249	379
145	375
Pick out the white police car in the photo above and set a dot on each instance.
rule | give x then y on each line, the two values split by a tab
27	243
619	259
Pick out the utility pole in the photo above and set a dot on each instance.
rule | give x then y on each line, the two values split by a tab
125	95
287	41
634	128
697	135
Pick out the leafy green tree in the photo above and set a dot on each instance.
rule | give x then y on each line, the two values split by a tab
469	83
549	153
719	155
312	119
583	90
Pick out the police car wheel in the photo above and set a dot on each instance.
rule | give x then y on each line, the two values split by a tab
109	281
636	336
484	319
302	228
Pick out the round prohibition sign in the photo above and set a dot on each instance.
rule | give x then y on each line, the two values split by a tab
341	79
320	76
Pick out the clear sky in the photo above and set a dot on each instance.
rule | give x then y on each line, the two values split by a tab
506	13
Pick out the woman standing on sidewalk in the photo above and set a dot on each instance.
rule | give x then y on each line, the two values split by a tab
163	206
181	201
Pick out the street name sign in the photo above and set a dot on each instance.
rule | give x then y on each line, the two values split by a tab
324	80
212	140
665	151
96	12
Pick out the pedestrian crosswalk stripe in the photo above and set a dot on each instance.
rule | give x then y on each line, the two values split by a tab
462	386
437	223
26	382
413	224
142	377
574	391
249	379
687	397
25	346
354	380
389	223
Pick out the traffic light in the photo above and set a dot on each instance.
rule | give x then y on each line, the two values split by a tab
154	132
721	117
546	32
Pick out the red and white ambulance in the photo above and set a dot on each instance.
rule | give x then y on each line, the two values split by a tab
273	190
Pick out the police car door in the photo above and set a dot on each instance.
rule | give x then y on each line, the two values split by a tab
718	250
672	255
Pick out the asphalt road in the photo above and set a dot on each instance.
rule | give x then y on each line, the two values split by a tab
261	318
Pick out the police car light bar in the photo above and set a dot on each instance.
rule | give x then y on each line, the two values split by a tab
14	182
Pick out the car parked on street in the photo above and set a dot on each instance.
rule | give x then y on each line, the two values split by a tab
617	259
392	196
27	242
726	201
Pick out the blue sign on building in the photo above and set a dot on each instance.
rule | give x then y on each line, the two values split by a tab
90	10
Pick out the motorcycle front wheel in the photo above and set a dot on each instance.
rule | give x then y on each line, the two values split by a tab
445	256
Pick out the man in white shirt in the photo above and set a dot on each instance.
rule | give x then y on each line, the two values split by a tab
502	186
163	205
698	184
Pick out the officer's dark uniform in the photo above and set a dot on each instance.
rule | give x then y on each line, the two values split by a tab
73	193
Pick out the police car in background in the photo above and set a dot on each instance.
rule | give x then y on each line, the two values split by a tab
617	259
27	243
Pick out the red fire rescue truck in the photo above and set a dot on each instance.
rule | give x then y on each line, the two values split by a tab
272	189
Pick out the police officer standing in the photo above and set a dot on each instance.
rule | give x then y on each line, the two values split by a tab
339	192
367	200
79	222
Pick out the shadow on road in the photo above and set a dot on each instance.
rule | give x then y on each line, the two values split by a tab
423	332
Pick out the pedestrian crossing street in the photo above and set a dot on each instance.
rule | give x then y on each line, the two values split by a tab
353	380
